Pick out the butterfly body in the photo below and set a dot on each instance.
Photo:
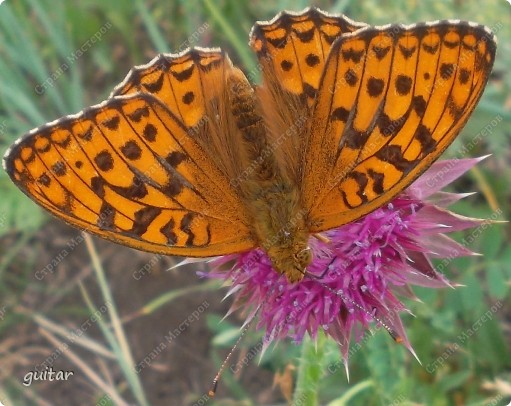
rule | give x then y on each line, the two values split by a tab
279	221
186	158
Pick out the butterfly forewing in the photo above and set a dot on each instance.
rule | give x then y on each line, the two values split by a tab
390	102
128	170
292	48
193	86
181	81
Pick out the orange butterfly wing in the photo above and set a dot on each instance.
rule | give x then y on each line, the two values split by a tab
292	48
391	100
179	81
131	169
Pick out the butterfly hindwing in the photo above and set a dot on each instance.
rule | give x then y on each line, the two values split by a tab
391	100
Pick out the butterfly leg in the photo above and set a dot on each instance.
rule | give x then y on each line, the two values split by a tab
323	273
321	238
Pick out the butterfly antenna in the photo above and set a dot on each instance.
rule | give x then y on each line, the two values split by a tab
393	333
214	385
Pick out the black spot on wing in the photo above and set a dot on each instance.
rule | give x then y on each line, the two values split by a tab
286	65
188	98
380	52
377	178
59	168
143	218
351	54
106	219
430	49
111	123
354	139
183	75
137	189
305	36
393	155
375	86
185	227
87	134
138	114
419	105
341	114
175	158
131	150
351	77
407	52
44	180
154	87
98	186
104	161
149	132
168	231
446	70
312	60
423	135
403	84
464	75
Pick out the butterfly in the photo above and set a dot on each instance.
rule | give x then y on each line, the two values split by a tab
187	158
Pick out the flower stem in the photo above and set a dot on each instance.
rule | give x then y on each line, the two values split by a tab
310	371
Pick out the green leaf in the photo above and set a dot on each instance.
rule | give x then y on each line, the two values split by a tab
454	380
498	283
505	260
226	337
472	293
492	348
310	371
491	240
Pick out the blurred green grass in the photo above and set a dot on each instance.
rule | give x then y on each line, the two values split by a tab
37	37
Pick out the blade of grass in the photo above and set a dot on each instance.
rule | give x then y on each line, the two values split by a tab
29	393
14	250
121	343
310	371
485	188
56	34
341	6
156	36
88	371
26	55
82	341
238	44
347	398
165	298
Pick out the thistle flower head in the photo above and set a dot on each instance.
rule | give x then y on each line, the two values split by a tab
359	271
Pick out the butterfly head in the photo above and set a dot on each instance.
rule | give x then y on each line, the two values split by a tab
291	260
303	257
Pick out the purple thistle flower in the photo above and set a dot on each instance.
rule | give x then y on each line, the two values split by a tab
360	271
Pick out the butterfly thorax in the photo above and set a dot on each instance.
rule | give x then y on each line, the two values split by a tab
273	201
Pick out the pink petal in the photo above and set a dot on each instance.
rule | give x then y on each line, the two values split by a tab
441	246
445	199
440	174
434	220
